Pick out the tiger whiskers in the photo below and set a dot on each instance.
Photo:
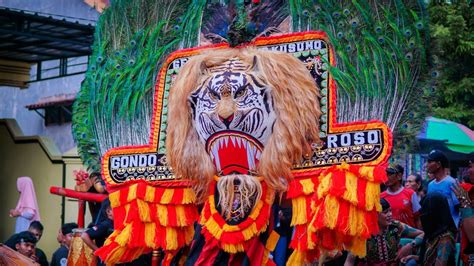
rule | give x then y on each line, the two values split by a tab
238	195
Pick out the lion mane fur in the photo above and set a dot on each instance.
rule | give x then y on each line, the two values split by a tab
295	100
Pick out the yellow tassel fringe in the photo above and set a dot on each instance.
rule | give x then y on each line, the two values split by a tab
308	186
324	185
351	188
299	211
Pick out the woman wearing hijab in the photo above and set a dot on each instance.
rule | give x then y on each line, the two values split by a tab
26	209
438	247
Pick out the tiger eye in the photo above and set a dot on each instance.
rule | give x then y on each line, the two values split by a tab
241	92
214	95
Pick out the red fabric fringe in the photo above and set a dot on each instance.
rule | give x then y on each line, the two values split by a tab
317	228
132	211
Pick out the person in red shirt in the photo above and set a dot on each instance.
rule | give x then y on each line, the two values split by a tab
465	194
403	201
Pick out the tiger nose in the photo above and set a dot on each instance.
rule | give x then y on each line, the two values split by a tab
227	120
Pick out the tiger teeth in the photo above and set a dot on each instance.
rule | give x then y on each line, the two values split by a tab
215	153
226	141
250	155
221	143
251	150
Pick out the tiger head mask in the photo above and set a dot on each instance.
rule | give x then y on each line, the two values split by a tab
241	111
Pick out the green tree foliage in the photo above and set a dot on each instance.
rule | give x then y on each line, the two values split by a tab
452	49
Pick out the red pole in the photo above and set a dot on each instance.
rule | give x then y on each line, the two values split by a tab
80	214
86	196
155	257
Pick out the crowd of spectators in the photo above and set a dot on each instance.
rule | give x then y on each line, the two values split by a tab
431	226
420	224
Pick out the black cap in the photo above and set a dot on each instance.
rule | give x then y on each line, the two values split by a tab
438	156
67	228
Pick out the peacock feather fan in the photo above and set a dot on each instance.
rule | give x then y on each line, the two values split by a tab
114	106
380	58
132	39
378	45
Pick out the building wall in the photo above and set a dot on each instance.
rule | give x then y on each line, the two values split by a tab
69	8
46	158
13	100
39	159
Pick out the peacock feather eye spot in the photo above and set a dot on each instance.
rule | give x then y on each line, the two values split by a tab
409	56
117	53
124	57
411	44
381	39
378	29
348	47
251	27
407	33
419	25
340	24
100	59
131	62
133	42
340	35
176	27
118	66
317	8
117	75
92	68
336	14
179	20
346	11
306	13
354	23
435	74
394	56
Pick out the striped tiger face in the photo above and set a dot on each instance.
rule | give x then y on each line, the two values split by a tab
233	114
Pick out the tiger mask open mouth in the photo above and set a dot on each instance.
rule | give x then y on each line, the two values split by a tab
234	152
233	114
